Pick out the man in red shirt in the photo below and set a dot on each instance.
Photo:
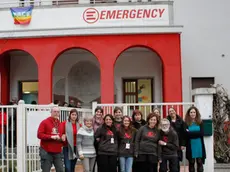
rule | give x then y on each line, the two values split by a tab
51	144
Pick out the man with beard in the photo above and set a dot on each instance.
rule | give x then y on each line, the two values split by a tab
169	146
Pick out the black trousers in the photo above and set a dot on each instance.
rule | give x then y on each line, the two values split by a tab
146	163
173	164
146	167
107	163
199	163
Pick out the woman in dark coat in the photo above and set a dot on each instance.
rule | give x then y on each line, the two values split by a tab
178	125
195	148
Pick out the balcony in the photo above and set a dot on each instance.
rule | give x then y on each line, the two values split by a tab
87	17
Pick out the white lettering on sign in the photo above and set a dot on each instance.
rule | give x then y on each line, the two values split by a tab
24	14
92	15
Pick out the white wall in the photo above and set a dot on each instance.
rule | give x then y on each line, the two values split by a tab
22	67
84	81
205	37
139	64
73	20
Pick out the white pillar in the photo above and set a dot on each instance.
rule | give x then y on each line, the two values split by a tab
67	89
21	137
204	102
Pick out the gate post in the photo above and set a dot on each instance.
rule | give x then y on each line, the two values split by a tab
94	106
21	137
204	102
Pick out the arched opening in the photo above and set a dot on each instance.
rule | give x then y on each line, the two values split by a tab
19	77
138	76
76	78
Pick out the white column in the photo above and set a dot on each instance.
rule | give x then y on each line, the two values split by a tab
204	102
21	137
67	89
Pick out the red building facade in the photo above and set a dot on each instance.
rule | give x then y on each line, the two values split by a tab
106	49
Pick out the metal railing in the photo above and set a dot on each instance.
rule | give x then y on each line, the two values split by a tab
19	145
39	3
145	108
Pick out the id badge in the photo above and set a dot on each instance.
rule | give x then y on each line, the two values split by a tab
112	140
127	146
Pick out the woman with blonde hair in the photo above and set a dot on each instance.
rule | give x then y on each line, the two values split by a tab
85	144
195	148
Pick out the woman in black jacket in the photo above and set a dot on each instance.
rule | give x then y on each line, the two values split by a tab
146	145
178	125
126	139
195	148
137	121
106	136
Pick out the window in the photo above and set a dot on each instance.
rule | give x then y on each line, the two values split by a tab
138	90
202	82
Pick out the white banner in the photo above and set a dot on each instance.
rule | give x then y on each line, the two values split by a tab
34	118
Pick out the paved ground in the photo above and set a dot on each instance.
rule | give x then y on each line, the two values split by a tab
220	168
79	169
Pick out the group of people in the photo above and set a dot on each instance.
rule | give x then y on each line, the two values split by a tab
111	143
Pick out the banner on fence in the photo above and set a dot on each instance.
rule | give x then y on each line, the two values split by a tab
34	118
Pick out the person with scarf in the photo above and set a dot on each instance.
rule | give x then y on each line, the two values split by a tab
85	144
98	118
106	136
69	131
50	146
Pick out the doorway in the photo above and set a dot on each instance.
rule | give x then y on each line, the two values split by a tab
28	91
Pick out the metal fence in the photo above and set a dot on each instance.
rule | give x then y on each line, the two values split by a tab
145	108
19	146
8	140
24	3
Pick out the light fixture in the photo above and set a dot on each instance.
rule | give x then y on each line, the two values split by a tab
26	92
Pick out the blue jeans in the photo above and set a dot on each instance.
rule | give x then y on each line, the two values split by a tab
126	164
69	164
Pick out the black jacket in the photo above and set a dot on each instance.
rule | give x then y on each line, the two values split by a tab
138	125
194	135
179	126
171	148
123	139
146	141
103	137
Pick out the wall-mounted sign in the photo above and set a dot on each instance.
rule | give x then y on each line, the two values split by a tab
22	15
125	13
